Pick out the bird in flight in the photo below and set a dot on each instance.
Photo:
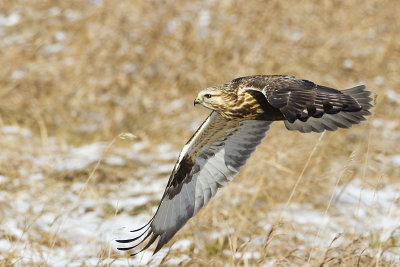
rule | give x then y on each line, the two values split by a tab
242	111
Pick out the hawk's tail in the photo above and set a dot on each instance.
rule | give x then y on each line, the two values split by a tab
342	119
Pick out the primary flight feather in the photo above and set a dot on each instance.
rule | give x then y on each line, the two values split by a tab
242	111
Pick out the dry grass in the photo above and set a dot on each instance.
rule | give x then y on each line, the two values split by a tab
77	72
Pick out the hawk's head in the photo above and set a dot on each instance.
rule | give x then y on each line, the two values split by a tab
216	98
230	102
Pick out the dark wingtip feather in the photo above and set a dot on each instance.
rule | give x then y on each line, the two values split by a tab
132	239
153	236
142	226
160	244
125	240
134	246
149	243
128	248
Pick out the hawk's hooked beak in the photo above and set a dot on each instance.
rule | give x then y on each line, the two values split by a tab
196	101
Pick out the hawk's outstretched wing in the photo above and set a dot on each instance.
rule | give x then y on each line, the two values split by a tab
207	162
307	106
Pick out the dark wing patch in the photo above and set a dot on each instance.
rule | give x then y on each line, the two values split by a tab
209	161
345	118
179	176
302	99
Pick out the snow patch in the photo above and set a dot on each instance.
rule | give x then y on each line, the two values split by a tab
356	208
18	74
348	64
115	160
395	160
16	130
178	260
76	158
203	22
10	20
393	96
182	244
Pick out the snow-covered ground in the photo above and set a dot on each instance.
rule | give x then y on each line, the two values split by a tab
70	224
73	213
356	211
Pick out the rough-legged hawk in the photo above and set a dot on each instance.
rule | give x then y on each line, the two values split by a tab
242	111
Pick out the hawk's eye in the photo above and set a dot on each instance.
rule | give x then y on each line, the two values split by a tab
207	96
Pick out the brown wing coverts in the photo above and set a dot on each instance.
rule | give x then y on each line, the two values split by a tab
341	119
301	99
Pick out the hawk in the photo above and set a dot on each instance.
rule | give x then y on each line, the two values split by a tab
242	111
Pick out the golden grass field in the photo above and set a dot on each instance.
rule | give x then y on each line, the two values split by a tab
75	74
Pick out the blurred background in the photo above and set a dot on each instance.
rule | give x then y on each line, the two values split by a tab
76	74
